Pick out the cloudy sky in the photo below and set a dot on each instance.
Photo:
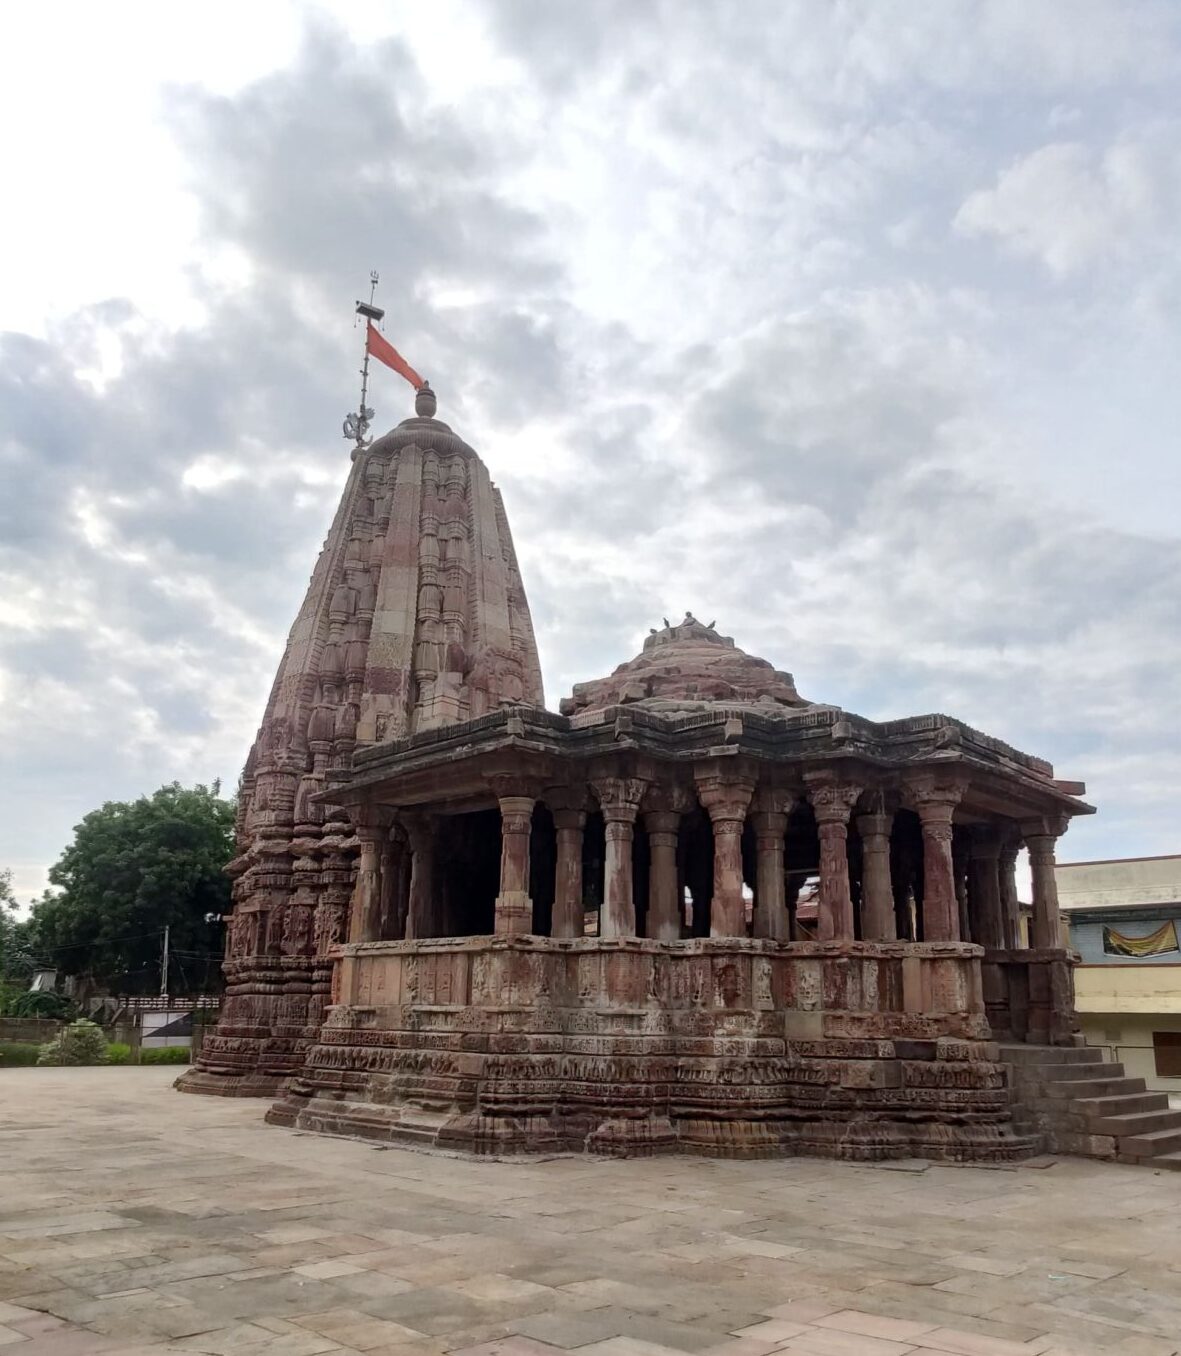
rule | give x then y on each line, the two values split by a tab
853	324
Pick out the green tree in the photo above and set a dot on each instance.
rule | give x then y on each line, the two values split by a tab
133	868
15	959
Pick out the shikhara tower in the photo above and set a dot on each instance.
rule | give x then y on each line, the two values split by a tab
415	617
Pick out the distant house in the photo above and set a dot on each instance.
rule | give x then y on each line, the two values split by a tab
1124	919
43	980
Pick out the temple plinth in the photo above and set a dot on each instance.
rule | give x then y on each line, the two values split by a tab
415	618
692	912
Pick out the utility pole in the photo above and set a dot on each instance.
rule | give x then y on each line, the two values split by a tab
164	964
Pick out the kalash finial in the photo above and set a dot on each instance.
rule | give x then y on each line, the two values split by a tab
425	403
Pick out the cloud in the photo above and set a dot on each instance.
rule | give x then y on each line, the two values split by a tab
1070	207
718	303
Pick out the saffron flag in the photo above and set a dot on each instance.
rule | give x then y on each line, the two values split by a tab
385	352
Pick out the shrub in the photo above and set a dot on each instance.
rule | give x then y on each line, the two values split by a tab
166	1054
16	1053
79	1043
118	1053
40	1003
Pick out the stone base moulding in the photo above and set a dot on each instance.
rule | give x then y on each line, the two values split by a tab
727	1047
270	1016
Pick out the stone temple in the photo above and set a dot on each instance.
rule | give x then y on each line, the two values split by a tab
692	912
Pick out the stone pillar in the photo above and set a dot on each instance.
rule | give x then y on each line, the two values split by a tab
771	918
420	919
935	803
619	800
365	915
1007	883
664	912
959	869
569	822
831	803
984	888
514	906
793	883
1041	837
878	921
725	799
393	887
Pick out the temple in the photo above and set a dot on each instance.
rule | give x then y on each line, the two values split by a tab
693	911
415	617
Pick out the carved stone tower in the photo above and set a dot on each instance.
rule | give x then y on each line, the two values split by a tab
415	617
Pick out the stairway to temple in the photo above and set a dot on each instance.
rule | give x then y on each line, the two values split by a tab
1077	1102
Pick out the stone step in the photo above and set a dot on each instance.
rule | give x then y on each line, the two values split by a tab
1122	1104
1091	1068
1047	1054
1083	1089
1137	1123
1153	1144
1171	1161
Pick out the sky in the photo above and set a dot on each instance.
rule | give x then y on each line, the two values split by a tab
853	325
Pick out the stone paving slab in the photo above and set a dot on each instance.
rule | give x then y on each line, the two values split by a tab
135	1221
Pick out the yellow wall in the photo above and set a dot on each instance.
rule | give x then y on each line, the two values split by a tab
1128	1039
1121	1005
1130	987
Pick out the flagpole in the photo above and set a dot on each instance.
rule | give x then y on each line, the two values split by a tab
356	426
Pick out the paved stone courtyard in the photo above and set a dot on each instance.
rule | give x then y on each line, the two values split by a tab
134	1219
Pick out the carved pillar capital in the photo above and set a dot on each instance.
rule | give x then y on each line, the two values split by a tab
567	804
770	824
420	831
568	819
516	813
506	784
724	797
832	800
875	829
662	823
667	797
774	800
619	797
934	796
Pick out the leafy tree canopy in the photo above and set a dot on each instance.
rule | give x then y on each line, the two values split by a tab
15	959
134	867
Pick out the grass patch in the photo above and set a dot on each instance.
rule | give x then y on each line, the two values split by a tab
168	1054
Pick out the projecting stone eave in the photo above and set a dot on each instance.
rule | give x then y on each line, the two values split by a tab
796	740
